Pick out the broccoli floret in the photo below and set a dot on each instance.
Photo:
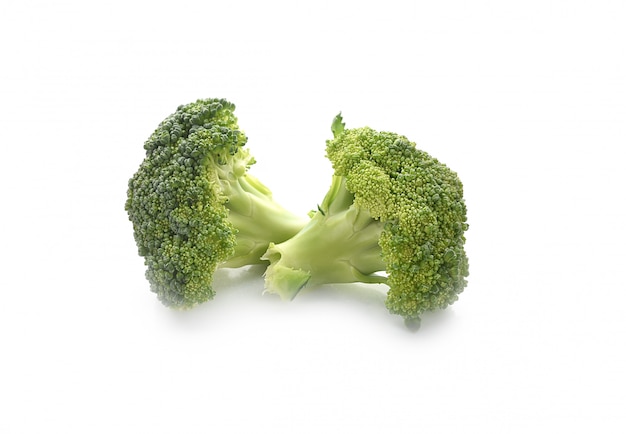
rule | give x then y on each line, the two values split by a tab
194	206
393	215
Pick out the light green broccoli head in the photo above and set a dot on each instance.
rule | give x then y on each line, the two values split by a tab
420	201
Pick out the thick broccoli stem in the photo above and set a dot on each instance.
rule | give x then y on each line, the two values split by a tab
256	217
259	221
339	245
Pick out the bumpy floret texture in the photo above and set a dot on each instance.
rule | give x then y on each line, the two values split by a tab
420	201
175	203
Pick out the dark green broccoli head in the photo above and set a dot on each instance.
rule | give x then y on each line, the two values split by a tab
420	201
175	203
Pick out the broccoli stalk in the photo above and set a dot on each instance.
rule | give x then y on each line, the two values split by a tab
257	218
339	245
194	206
391	208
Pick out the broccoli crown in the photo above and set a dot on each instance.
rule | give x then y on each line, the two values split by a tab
194	207
420	201
176	205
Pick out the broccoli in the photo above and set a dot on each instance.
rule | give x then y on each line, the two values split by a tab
393	215
194	206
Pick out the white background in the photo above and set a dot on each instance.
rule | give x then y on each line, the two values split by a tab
525	100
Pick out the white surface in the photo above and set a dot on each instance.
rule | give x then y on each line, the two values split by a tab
525	100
